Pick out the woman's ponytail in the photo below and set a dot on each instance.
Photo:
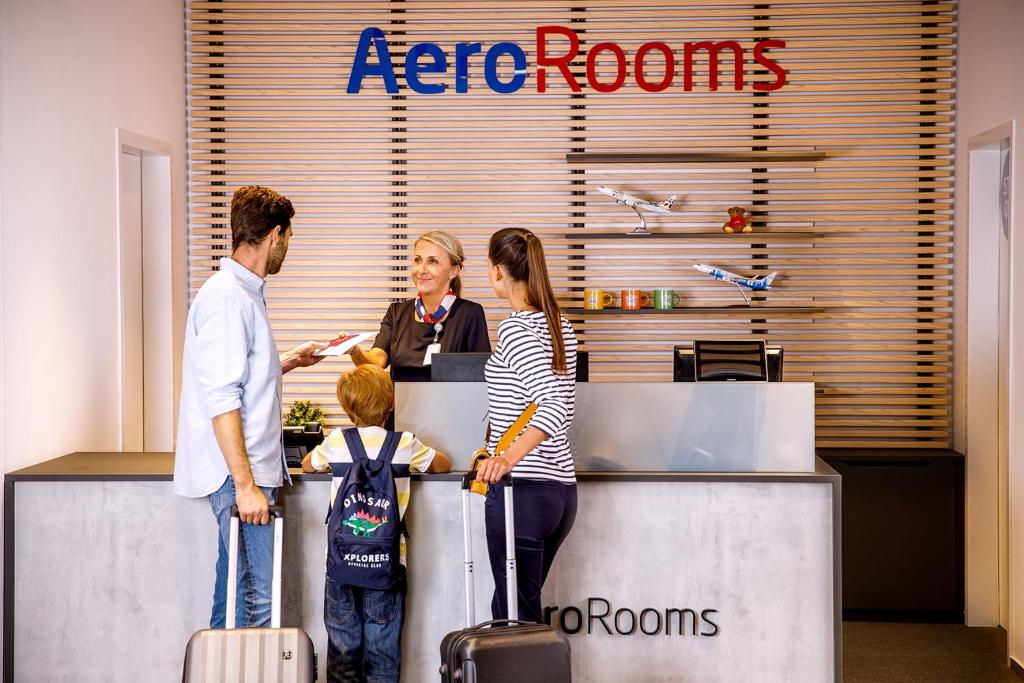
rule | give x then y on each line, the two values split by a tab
520	252
541	296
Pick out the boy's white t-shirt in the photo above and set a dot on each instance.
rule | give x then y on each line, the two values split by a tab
412	454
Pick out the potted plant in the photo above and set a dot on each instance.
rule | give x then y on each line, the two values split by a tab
304	416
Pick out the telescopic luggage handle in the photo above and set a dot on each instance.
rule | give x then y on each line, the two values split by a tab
469	477
277	513
511	585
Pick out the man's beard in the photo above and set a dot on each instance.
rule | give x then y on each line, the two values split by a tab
275	260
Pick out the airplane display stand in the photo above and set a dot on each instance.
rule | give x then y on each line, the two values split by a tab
642	228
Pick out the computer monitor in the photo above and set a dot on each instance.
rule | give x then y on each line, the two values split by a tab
736	361
458	367
469	367
684	364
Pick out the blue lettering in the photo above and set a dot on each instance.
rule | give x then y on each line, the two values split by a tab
463	51
491	67
384	69
413	68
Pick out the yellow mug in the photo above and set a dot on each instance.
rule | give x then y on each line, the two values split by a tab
596	299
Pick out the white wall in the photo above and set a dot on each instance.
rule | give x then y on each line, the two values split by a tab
990	61
3	384
71	74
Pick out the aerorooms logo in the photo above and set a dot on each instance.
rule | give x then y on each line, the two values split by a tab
653	64
626	622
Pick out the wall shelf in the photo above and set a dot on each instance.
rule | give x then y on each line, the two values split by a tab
722	236
755	157
741	309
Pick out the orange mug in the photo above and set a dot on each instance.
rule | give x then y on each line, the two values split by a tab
596	299
635	299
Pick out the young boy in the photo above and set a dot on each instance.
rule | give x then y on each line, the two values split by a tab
364	625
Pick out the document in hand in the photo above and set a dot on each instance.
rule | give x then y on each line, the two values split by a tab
341	345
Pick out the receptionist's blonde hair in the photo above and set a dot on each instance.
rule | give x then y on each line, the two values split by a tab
453	247
367	395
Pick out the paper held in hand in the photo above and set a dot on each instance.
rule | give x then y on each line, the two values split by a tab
342	345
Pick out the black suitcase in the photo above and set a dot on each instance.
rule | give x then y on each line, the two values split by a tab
505	650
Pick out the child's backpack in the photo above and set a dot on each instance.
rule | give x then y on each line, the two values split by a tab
364	527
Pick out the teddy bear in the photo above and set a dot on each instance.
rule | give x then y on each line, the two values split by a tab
737	222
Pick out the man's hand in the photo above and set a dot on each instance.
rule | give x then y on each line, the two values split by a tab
252	505
302	356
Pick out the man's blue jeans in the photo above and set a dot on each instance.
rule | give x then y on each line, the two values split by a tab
364	633
255	563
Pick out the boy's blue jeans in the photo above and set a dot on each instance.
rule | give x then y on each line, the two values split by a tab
364	633
255	563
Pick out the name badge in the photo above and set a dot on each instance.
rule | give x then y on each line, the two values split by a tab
431	350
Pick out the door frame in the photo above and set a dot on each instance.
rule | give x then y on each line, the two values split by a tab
986	525
157	226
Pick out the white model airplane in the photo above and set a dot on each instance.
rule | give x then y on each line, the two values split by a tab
757	284
638	205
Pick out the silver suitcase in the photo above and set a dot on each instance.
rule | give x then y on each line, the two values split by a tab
251	655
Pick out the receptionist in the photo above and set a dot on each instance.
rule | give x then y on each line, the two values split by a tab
436	320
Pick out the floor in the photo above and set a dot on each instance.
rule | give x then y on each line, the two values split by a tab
881	652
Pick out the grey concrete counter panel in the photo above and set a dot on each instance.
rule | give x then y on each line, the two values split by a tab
762	548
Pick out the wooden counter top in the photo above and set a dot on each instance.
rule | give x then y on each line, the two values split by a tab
86	466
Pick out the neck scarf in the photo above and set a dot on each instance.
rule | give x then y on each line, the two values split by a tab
442	310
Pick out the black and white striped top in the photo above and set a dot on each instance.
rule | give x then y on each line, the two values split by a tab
518	372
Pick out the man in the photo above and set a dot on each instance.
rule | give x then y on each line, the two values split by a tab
230	445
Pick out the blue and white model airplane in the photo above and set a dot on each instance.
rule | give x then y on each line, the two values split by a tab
638	205
757	284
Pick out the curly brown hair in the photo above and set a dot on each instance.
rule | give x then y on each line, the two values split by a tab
255	211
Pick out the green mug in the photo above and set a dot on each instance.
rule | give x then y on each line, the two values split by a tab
665	299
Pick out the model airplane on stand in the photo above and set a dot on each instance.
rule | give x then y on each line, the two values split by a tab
757	284
638	205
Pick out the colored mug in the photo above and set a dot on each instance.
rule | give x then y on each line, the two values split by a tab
665	299
596	299
635	299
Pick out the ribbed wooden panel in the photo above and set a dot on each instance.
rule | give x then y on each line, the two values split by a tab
863	235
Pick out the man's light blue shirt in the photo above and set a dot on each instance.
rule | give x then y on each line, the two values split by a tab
230	361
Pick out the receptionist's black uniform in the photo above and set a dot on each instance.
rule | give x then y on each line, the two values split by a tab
405	339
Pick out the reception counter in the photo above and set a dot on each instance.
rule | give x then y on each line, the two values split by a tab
667	576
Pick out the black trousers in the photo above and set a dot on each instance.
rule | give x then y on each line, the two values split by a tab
544	514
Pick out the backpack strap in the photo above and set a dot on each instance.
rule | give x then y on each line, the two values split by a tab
389	448
358	451
387	453
355	446
359	459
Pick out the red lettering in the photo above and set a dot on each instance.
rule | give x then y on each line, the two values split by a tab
770	64
620	67
712	48
561	62
670	66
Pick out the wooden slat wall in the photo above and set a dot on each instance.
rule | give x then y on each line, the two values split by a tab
871	85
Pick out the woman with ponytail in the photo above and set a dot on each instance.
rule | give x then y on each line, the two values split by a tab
436	320
534	362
